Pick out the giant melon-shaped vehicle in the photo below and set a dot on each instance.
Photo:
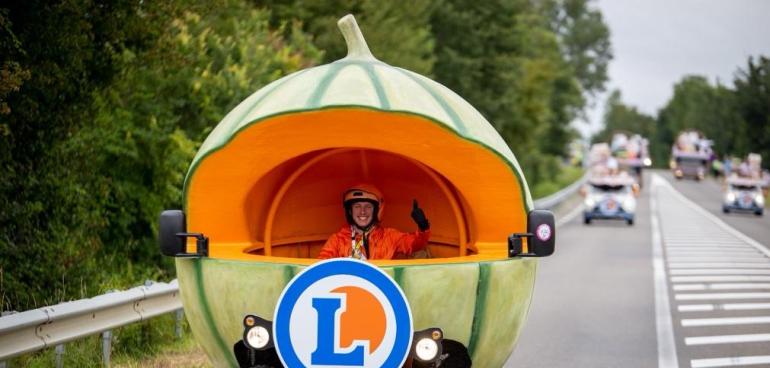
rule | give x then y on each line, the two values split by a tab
264	192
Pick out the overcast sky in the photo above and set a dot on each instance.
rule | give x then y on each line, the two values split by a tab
657	42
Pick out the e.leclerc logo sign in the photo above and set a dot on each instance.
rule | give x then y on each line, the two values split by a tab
343	313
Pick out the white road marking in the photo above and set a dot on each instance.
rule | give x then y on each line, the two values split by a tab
729	362
718	278
726	339
723	271
725	286
663	325
723	307
722	296
724	321
709	261
697	258
718	265
569	216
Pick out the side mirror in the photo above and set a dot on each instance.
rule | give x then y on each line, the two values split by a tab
583	191
635	189
172	236
541	236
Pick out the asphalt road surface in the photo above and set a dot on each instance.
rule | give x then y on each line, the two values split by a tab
685	286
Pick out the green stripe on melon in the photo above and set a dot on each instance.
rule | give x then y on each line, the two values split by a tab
482	305
360	80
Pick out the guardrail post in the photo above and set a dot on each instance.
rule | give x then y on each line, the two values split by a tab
106	347
178	323
59	356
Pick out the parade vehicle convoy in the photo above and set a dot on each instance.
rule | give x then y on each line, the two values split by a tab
610	198
632	153
263	194
690	155
744	195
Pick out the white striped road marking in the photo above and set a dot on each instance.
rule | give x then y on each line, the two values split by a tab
718	265
696	258
724	286
676	279
724	271
726	339
722	224
723	307
724	321
663	325
713	253
722	296
729	362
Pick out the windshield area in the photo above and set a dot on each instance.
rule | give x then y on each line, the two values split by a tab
614	189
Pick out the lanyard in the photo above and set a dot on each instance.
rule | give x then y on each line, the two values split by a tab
357	245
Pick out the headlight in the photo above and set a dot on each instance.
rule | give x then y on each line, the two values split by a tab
257	337
730	197
427	344
629	204
426	349
590	202
647	161
256	332
760	200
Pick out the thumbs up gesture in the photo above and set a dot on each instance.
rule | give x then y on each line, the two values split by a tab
419	217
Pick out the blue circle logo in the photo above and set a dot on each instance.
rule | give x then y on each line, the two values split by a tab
342	312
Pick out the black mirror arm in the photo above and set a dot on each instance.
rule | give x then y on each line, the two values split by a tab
201	245
515	246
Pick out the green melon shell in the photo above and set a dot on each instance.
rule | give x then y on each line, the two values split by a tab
482	305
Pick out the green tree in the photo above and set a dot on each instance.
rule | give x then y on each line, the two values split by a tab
398	33
619	117
752	102
106	178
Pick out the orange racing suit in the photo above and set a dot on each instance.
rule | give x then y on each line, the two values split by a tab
384	243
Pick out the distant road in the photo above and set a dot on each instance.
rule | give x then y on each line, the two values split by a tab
595	301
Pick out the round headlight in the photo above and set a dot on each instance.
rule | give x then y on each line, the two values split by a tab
730	197
647	161
760	200
258	337
426	349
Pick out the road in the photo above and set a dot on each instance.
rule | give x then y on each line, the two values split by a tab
686	286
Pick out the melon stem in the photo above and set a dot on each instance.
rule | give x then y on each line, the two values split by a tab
357	47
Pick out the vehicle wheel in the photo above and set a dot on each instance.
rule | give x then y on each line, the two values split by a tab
587	220
725	210
758	213
630	222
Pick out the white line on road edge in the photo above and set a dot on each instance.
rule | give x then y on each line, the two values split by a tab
726	339
717	220
568	217
729	362
664	327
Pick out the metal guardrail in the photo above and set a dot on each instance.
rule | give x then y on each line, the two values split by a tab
55	325
553	200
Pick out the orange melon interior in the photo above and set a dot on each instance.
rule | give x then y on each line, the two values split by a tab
273	191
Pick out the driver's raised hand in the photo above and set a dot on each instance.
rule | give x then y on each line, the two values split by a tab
419	217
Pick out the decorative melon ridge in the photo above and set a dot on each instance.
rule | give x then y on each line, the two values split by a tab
512	164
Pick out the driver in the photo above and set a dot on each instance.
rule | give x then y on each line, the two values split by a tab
363	238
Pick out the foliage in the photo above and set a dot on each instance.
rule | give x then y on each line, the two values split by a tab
85	217
397	33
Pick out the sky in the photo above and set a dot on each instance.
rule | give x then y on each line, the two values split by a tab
657	42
